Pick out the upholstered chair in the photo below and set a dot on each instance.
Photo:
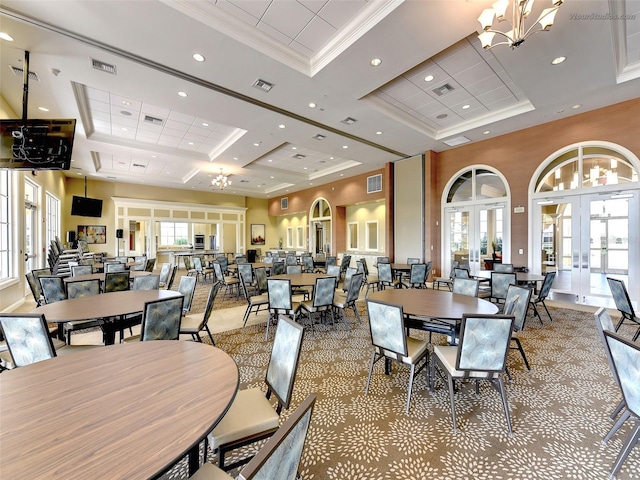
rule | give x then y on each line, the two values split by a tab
542	295
307	264
255	300
417	276
623	305
280	301
77	289
466	286
503	267
161	319
230	284
150	265
193	324
148	282
114	267
278	268
116	281
385	277
500	284
52	289
81	270
165	271
187	288
341	303
322	301
261	279
27	337
517	304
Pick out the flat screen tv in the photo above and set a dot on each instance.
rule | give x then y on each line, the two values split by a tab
86	207
36	144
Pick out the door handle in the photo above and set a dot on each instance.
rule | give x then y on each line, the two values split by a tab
585	259
575	259
26	257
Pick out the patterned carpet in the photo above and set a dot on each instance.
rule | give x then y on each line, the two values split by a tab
560	409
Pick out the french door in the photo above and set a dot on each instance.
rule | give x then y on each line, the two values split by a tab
587	238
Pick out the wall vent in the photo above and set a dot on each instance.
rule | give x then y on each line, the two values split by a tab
103	66
374	183
154	120
263	85
19	72
284	203
446	88
452	142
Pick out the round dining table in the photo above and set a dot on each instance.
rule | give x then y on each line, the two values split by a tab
127	411
105	305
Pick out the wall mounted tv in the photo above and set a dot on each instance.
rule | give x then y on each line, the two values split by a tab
36	144
86	207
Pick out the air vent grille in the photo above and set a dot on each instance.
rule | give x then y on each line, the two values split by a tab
299	156
154	120
139	165
452	142
349	121
284	203
244	181
19	72
263	85
374	183
103	66
446	88
319	136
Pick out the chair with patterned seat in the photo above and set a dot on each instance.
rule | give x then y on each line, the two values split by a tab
148	282
385	277
116	281
623	305
322	301
187	288
77	289
417	276
480	355
542	295
202	271
161	320
516	303
230	284
81	270
193	324
341	303
52	289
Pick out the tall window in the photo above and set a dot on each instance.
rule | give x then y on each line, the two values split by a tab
5	227
53	218
173	233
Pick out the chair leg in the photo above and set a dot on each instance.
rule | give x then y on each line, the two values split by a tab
453	408
213	342
413	368
621	406
505	404
355	310
373	361
629	443
623	418
519	347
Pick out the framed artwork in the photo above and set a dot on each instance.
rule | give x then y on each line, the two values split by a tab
257	234
92	233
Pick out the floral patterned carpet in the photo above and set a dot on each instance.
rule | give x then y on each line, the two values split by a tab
560	409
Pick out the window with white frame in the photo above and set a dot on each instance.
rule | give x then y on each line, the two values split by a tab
174	233
372	235
352	236
300	237
53	217
6	268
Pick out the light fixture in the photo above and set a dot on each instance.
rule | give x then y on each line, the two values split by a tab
375	62
6	36
183	94
198	57
221	181
312	105
558	60
428	78
520	11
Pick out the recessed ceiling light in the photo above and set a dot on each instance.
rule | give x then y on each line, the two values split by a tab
198	57
379	132
375	62
558	60
6	36
126	102
310	183
464	107
205	124
269	160
183	94
79	173
345	146
235	158
342	174
294	148
153	156
125	129
486	132
43	109
428	78
331	158
306	168
271	176
256	144
576	106
312	105
190	143
282	125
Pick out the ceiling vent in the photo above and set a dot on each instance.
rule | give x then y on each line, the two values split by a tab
319	136
112	178
446	88
244	181
452	142
154	120
349	121
102	66
299	156
19	72
374	183
263	85
139	165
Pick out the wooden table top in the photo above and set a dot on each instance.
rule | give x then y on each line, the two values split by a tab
301	279
234	266
104	305
100	276
403	267
521	277
126	411
434	303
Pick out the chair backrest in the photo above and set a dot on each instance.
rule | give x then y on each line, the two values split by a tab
279	294
347	278
197	264
605	324
245	270
27	337
83	288
114	267
217	270
140	263
187	288
243	286
546	285
345	263
620	297
280	456
34	286
293	269
333	271
360	267
354	287
148	282
466	286
384	273
429	265
363	261
277	268
172	277
382	259
283	363
81	270
165	270
324	291
307	263
161	319
332	260
261	278
412	260
461	273
418	273
211	299
519	298
150	265
52	289
224	263
484	342
625	356
116	281
386	324
291	259
187	262
500	284
41	272
240	259
503	267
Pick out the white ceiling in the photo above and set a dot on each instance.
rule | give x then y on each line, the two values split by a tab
133	126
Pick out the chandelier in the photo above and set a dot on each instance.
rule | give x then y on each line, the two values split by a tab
518	33
221	181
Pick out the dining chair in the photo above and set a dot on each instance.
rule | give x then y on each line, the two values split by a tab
148	282
334	271
165	271
347	280
280	300
193	324
114	267
81	270
342	303
517	304
34	283
500	282
382	260
201	271
625	355
459	272
116	281
605	324
140	261
446	281
224	263
321	302
417	276
150	265
278	268
77	289
255	300
261	279
390	341
187	265
280	456
385	277
481	354
291	259
172	277
160	320
251	417
623	305
52	289
294	269
307	264
503	267
331	260
230	284
240	259
187	288
245	270
465	286
542	295
344	264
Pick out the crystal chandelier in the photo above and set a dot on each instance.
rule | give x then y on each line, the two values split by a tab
518	33
221	181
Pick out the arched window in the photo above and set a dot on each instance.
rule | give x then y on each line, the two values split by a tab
320	227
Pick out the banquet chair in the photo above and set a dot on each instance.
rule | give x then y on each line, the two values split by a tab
334	271
348	274
251	417
172	277
500	282
307	264
447	281
330	260
344	264
503	267
148	282
417	276
480	354
230	284
517	303
385	277
150	264
291	259
382	260
114	267
280	300
466	286
294	269
165	271
52	289
255	300
187	265
202	271
77	289
304	291
187	288
224	263
140	263
81	270
278	268
245	270
160	320
261	279
389	340
280	456
623	305
549	277
322	301
192	324
605	324
460	272
342	303
625	355
34	284
116	281
370	279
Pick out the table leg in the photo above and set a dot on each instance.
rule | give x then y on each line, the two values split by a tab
194	459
